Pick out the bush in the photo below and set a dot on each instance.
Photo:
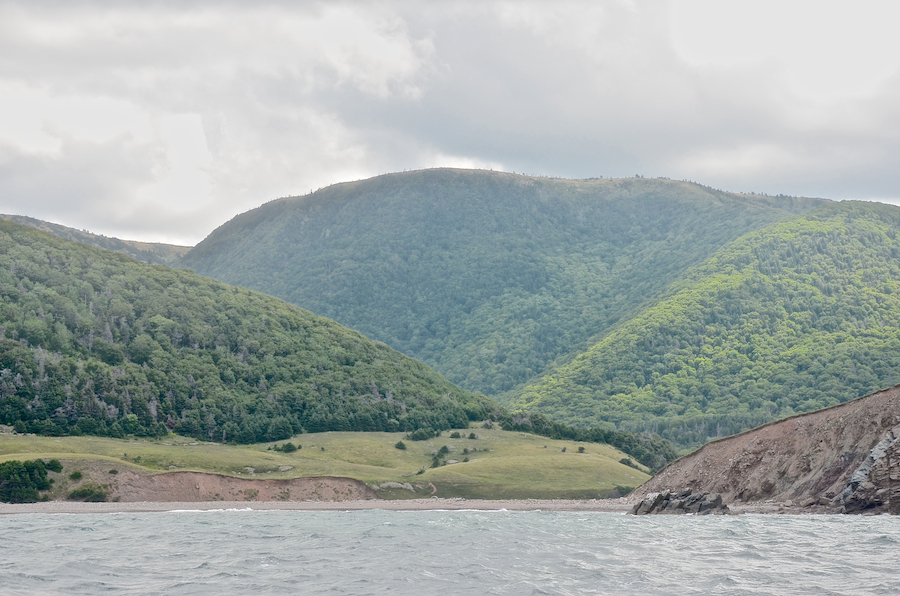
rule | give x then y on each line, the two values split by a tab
422	434
75	476
563	449
53	465
400	445
454	435
114	471
444	450
92	493
21	481
627	461
472	436
581	450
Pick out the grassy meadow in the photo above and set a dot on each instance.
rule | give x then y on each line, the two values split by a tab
501	464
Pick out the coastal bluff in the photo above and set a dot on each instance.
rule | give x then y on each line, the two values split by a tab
842	459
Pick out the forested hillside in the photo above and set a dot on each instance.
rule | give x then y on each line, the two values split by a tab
150	252
795	317
93	342
486	276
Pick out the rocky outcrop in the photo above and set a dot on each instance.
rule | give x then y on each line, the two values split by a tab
841	459
680	502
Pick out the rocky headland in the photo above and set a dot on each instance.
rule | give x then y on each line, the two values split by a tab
842	459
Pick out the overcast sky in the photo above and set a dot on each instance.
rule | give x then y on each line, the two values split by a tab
157	121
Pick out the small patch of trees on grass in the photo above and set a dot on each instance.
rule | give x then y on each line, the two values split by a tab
21	482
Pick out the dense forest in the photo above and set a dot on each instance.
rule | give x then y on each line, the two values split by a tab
93	342
801	315
486	276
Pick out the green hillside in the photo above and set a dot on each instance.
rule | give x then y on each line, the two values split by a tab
488	277
150	252
801	315
93	342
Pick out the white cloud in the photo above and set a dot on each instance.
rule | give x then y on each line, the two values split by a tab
161	120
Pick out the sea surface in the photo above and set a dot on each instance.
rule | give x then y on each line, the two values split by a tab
447	553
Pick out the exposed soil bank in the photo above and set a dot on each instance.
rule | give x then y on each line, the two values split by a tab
841	459
193	487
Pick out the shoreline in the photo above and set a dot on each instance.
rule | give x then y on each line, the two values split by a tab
620	506
432	504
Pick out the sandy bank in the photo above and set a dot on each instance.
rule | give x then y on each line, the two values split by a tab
434	504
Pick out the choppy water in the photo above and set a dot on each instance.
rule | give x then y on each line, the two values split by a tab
435	552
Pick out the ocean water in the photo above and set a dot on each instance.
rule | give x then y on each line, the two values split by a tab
446	552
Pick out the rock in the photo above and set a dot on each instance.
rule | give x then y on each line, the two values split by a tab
678	502
808	502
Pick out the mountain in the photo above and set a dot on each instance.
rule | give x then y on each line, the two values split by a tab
797	316
488	277
94	342
150	252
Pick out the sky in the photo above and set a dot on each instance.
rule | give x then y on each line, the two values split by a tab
159	121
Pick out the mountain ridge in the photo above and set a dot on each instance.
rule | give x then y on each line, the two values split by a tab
487	276
152	252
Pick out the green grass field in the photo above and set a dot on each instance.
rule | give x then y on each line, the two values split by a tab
502	465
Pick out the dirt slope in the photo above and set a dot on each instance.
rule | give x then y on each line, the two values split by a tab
131	485
194	486
837	459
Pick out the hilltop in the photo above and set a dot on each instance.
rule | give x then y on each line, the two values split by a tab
488	277
798	316
150	252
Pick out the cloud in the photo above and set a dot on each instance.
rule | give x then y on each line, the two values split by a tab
161	121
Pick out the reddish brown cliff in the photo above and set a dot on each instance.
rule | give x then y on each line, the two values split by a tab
838	458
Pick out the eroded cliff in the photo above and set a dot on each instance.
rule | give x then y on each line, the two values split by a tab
845	458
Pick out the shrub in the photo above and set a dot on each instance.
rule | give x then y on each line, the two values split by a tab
581	450
75	476
454	435
400	445
444	450
92	493
472	436
21	481
288	447
627	461
563	449
53	465
114	471
422	434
